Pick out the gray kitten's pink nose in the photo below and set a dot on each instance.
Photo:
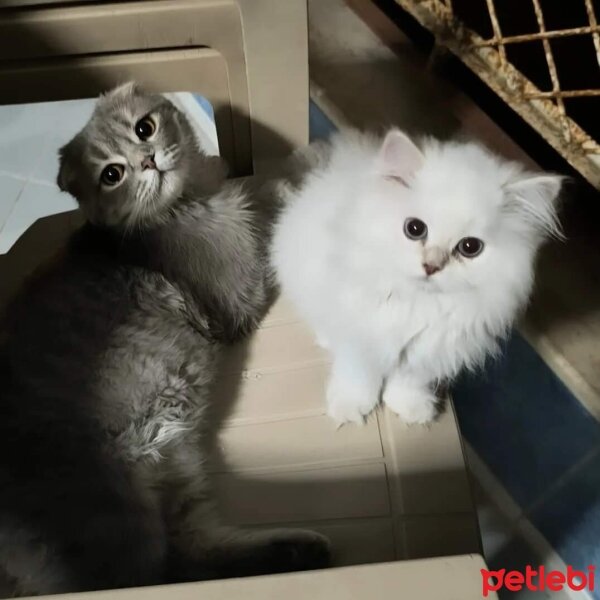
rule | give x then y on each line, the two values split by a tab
148	163
430	269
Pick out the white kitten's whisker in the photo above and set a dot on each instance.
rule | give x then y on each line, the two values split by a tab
539	216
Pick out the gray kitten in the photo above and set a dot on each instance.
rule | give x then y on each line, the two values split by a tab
107	364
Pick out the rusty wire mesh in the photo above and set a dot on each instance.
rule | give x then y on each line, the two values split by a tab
544	91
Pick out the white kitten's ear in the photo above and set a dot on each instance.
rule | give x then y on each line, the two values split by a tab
399	158
534	200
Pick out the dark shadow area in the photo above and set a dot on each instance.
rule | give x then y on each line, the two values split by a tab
40	243
410	108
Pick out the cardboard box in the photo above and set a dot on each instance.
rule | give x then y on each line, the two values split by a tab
455	578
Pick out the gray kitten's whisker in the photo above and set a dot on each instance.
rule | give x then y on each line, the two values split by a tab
171	154
150	197
138	189
137	208
169	150
142	191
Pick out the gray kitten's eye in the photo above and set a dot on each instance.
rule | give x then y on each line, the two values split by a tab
112	174
145	128
415	229
470	247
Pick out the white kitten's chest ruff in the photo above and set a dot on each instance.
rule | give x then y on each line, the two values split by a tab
430	335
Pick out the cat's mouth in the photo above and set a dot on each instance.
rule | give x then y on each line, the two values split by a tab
161	179
429	284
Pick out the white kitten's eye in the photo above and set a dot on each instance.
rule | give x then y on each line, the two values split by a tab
112	174
470	247
415	229
145	128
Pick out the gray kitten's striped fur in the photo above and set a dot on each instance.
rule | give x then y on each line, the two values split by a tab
107	363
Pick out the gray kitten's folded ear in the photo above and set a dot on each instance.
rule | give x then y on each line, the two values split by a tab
69	161
399	158
125	90
534	200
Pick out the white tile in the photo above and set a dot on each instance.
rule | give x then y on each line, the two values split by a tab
23	132
46	169
10	188
201	117
68	118
28	132
35	202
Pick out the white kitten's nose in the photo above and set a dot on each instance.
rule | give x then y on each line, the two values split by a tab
430	269
434	260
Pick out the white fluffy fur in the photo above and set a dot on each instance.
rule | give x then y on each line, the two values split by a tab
342	257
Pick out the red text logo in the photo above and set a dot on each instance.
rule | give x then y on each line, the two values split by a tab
538	580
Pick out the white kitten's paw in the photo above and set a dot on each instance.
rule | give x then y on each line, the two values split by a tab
412	404
349	403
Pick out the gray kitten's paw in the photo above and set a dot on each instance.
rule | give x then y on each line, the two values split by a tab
299	550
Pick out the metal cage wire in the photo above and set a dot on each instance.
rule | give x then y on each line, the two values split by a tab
544	110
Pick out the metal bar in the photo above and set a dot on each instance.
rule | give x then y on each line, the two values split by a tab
542	113
552	70
563	94
594	24
531	37
497	31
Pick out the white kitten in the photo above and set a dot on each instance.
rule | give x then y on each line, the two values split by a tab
409	264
